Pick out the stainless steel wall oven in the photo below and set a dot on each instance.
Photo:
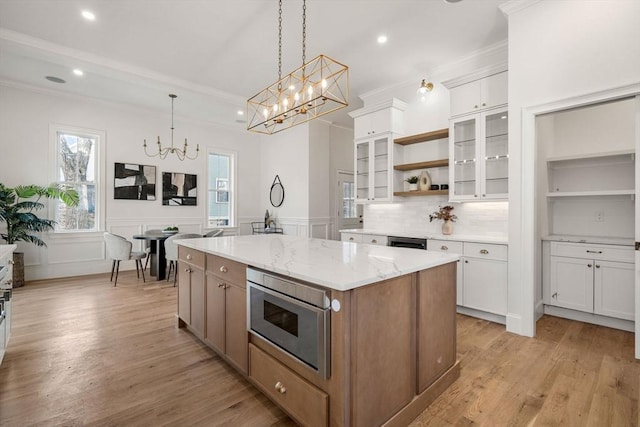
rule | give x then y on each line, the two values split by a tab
293	316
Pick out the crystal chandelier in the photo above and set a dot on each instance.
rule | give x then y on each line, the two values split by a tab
318	87
163	152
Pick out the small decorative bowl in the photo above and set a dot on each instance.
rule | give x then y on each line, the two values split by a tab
169	231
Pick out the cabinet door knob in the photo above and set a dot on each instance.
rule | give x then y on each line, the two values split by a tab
554	295
466	261
475	195
444	248
475	106
224	269
189	256
351	238
484	104
374	241
221	285
280	388
484	251
589	265
597	266
187	270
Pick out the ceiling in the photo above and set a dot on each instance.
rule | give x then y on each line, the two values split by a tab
214	54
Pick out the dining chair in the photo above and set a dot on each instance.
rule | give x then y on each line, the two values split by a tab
171	252
119	249
214	233
147	248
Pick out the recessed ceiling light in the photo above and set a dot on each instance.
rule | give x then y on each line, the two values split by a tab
452	1
382	39
78	72
240	112
55	79
88	15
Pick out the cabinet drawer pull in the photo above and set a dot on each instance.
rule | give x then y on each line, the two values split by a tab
221	285
189	256
466	261
351	238
484	251
444	248
224	269
593	252
554	295
374	241
589	265
280	388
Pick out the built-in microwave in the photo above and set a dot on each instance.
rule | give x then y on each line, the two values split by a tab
291	315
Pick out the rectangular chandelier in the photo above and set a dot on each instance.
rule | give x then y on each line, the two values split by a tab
318	87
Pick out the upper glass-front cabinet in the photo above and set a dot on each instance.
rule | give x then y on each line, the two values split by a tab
479	159
373	169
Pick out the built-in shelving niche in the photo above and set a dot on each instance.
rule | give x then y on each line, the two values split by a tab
412	148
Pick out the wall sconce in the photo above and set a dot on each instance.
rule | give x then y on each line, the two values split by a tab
425	87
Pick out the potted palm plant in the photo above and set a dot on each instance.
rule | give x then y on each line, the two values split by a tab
17	211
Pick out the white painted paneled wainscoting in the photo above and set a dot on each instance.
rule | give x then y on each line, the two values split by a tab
77	254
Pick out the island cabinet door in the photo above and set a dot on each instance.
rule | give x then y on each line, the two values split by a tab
382	350
196	276
436	329
184	295
236	334
215	301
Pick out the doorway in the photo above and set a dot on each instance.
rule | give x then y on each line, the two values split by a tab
348	212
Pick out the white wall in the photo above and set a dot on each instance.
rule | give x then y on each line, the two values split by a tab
25	117
557	50
341	159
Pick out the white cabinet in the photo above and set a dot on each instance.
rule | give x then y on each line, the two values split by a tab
482	274
597	279
373	169
449	246
372	239
479	156
488	92
380	118
6	290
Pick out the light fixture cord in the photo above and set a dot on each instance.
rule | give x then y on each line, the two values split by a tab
279	45
304	31
172	99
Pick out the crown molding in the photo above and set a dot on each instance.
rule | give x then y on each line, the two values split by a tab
514	6
112	104
20	39
476	75
392	103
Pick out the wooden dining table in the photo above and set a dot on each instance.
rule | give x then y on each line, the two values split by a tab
155	242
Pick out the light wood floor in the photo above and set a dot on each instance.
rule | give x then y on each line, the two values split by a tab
85	353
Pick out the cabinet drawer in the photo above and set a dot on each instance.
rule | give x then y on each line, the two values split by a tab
191	256
374	239
485	250
444	246
303	401
351	237
596	252
227	269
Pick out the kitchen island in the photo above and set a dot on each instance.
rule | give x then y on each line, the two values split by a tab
391	324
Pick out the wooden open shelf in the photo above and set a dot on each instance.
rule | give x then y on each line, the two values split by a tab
421	193
423	137
422	165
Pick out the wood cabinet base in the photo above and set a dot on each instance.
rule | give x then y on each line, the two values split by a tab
410	412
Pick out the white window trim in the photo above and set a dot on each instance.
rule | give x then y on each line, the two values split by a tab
233	189
99	166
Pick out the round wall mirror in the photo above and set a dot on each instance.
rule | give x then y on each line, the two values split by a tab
277	193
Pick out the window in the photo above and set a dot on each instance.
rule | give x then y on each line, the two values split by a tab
77	163
220	189
348	201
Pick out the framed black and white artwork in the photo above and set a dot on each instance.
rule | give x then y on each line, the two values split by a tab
179	189
134	182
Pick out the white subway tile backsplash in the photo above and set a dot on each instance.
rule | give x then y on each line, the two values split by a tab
478	219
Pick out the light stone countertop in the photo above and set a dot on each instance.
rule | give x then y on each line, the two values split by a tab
590	240
501	239
329	263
